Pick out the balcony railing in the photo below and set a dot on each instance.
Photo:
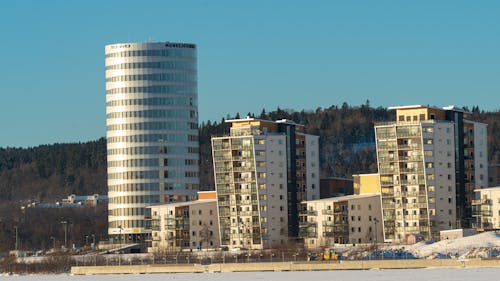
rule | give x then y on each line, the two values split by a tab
327	212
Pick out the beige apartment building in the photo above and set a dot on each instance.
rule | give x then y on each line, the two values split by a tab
185	225
486	209
263	170
429	162
341	220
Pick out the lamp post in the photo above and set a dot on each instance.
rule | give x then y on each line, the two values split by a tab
120	237
65	223
17	239
120	246
376	233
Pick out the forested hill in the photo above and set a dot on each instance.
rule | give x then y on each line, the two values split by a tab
51	172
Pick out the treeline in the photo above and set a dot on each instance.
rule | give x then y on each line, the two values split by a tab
51	172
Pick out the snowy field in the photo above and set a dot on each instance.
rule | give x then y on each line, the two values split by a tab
447	274
482	245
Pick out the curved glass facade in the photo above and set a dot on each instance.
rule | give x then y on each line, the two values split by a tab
152	130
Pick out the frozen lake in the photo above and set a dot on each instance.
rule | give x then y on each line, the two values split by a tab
441	274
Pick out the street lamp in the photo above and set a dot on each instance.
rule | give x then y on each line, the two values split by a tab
376	233
65	223
17	239
120	237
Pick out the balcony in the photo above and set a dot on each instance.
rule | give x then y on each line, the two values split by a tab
413	182
403	134
409	147
387	183
307	224
223	169
327	212
387	147
310	213
328	223
411	171
486	213
339	230
328	234
410	158
220	147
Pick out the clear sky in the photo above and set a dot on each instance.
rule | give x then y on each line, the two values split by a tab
251	55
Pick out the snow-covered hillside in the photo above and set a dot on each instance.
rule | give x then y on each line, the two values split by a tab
482	245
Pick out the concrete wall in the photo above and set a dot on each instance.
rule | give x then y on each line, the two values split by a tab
285	266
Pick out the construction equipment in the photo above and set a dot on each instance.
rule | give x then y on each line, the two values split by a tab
329	254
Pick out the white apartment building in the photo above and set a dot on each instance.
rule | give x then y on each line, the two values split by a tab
486	209
152	131
428	159
185	225
263	170
341	220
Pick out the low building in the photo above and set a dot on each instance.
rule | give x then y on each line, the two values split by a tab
486	209
86	200
341	220
456	233
334	187
414	238
185	225
366	183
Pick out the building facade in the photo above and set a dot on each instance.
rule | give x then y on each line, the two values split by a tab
341	220
366	183
428	160
263	170
152	130
334	187
493	175
486	209
185	225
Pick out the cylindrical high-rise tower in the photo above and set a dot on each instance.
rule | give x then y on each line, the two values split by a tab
152	131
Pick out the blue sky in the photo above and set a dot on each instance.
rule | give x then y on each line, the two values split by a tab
251	55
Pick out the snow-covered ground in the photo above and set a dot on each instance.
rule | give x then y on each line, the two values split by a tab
477	246
482	245
344	275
